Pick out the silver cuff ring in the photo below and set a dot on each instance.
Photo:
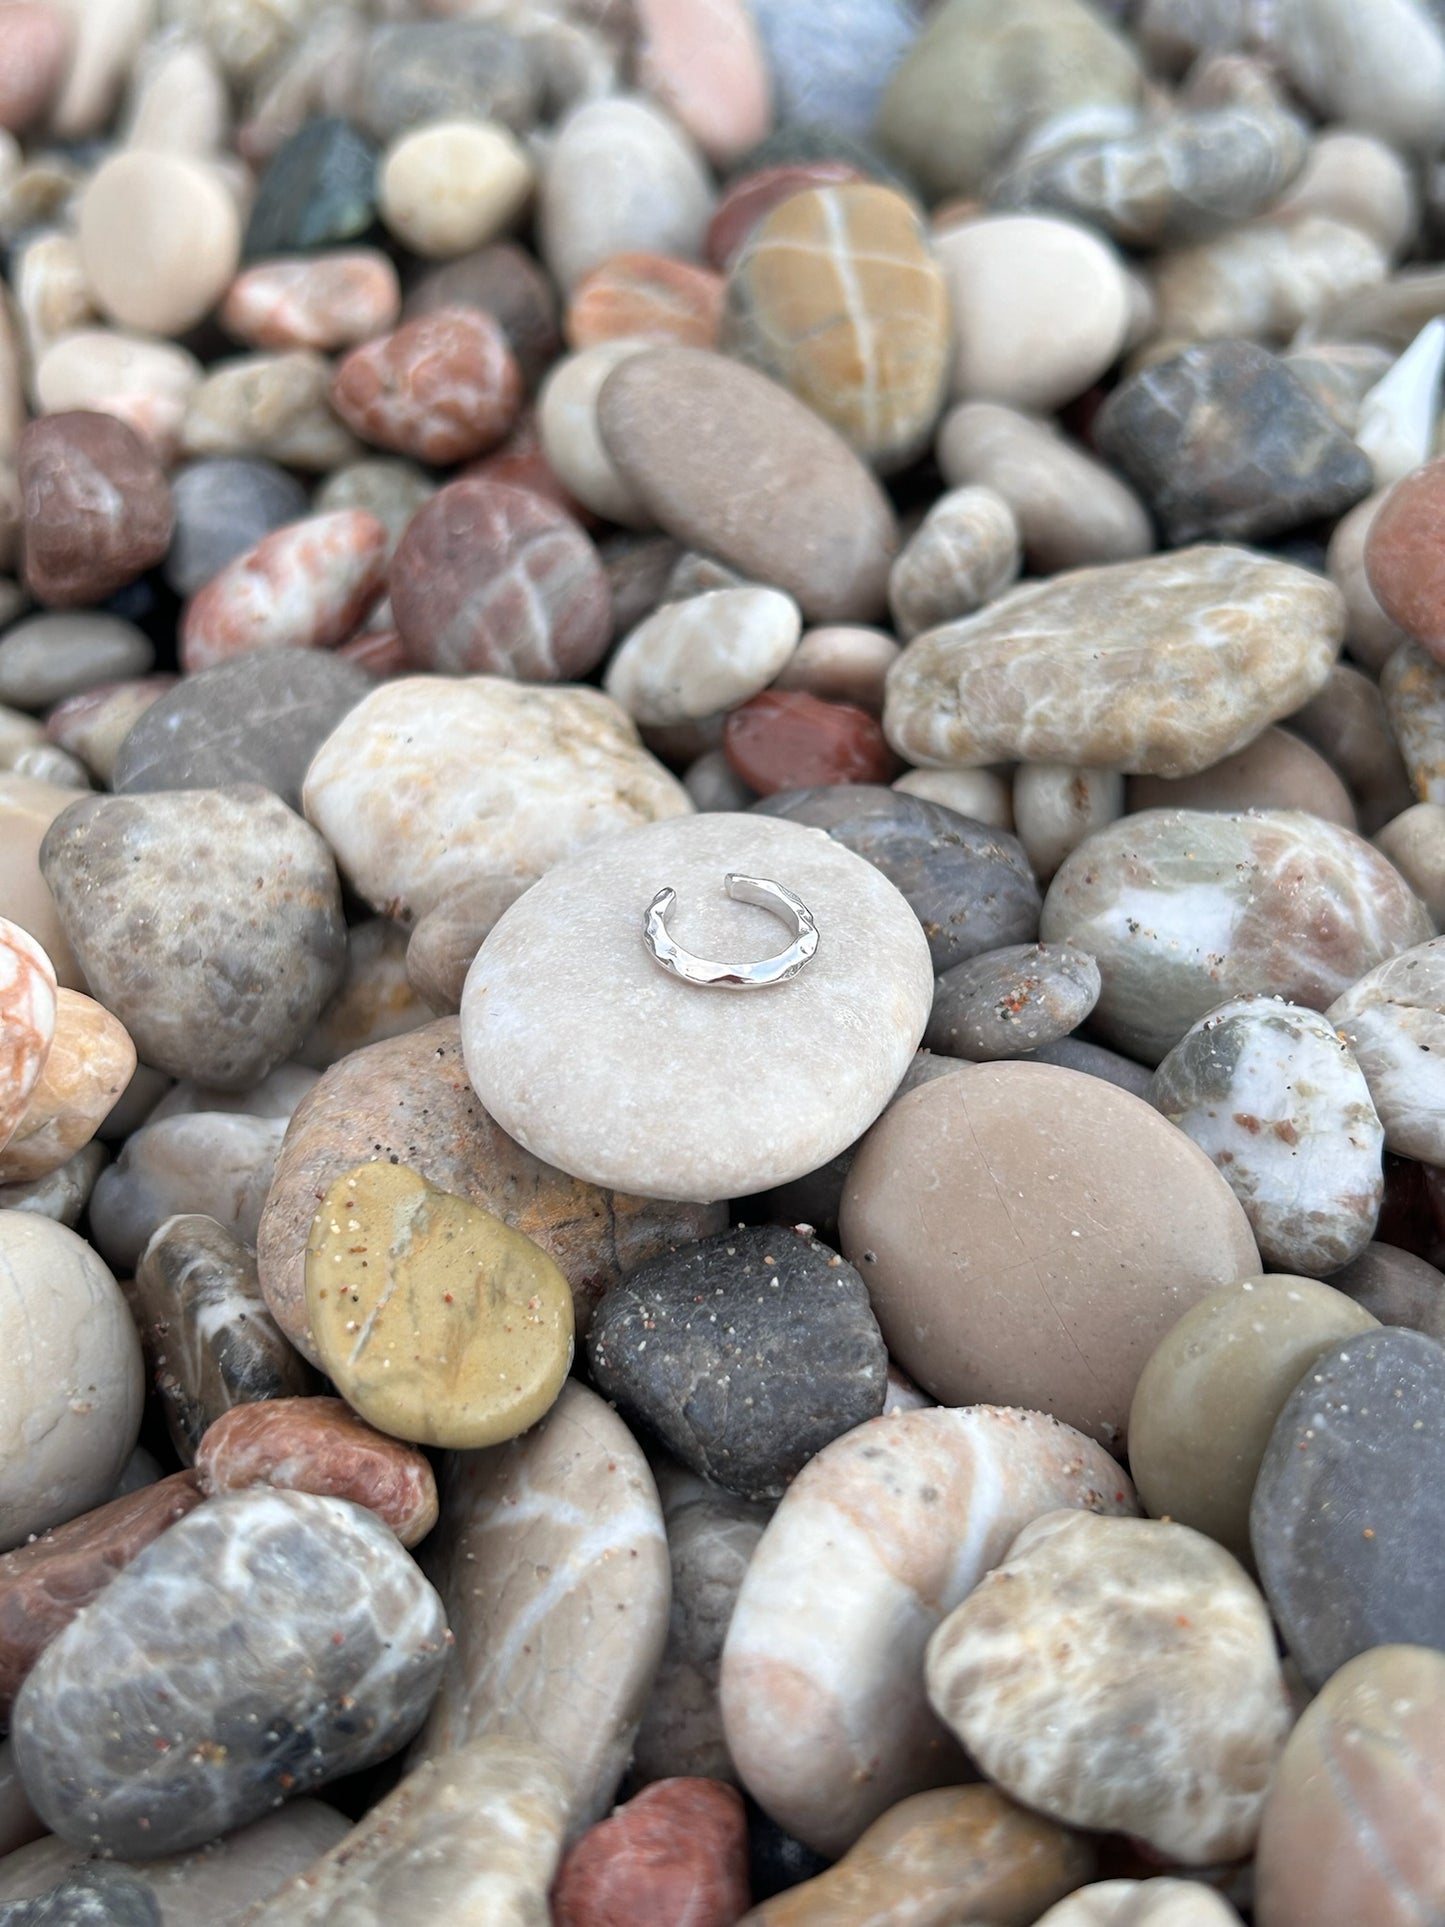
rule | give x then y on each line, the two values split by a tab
735	976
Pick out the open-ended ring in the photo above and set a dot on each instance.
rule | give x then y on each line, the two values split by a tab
735	976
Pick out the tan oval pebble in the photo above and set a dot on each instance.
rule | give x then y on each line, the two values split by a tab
145	383
1119	1674
274	405
690	659
1354	177
1414	841
453	185
1142	1903
979	793
436	1321
28	1015
324	301
89	1064
572	440
1056	805
841	663
966	552
159	238
1275	772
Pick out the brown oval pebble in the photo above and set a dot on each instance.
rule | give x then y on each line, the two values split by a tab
97	507
320	1445
1405	555
785	739
442	388
1275	772
321	301
645	296
752	197
494	580
521	462
306	586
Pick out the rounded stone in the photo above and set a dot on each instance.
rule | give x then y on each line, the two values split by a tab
966	552
1008	1002
35	48
1372	636
1056	805
1119	1674
787	1077
1008	1196
678	1850
223	508
159	240
71	1376
1348	725
1347	1511
1162	1902
449	186
435	1320
443	388
419	70
319	190
1395	1287
214	1163
96	504
1393	1019
274	406
1207	1400
327	301
511	286
785	739
688	660
1412	684
1414	841
88	1065
356	1640
1401	551
28	806
752	194
841	663
147	384
1275	772
28	1012
646	297
45	658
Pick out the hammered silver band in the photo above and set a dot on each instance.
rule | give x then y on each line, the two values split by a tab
767	895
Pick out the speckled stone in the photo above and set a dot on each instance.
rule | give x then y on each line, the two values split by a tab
410	1098
319	190
960	1211
88	1065
90	1896
688	660
1394	1020
210	922
257	719
210	1342
676	1855
1345	1520
552	1561
490	579
1162	1710
430	783
28	1011
442	388
1207	1401
1007	1002
96	504
45	658
1349	1829
163	1653
1395	1287
223	508
768	1310
1184	910
1163	1902
1224	443
965	553
874	1542
1163	666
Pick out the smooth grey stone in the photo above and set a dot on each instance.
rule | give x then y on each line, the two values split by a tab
259	718
208	1162
831	59
61	652
319	190
1396	1287
1094	1060
1348	1517
970	886
426	70
223	508
1008	1002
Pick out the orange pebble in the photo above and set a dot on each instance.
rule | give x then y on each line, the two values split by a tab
646	295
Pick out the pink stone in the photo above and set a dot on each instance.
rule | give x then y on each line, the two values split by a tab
380	652
27	1021
320	1445
442	388
648	297
34	46
675	1856
323	301
703	61
97	507
305	586
522	463
785	739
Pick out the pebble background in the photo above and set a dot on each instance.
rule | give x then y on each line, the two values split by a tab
490	1432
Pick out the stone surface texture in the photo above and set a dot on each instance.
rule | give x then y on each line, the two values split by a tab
28	994
1393	1019
88	1065
674	1856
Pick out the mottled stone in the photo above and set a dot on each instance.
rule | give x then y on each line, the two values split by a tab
88	1065
210	923
358	1642
1266	279
786	739
1412	685
966	551
960	1211
409	1098
1207	1401
552	1561
1163	665
1345	1520
46	1582
319	1445
28	1013
1162	1902
71	1379
159	239
646	297
451	185
1400	556
97	507
421	70
91	1896
1277	771
836	295
734	465
506	282
1224	443
210	1342
326	301
1393	1018
676	1852
212	1163
752	194
428	784
879	1537
1351	1829
258	719
493	580
1007	1002
442	388
223	508
690	659
46	658
1162	1709
273	406
319	190
1184	909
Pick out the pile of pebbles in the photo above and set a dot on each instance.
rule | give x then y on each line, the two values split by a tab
491	1431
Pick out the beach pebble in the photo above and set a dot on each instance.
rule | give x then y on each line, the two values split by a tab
1395	1287
785	739
218	1164
73	1382
1393	1019
1348	724
28	806
1399	555
1266	279
442	388
1007	1002
1162	1902
418	70
878	1538
1414	841
373	1001
325	301
966	552
45	658
505	282
88	1065
65	1193
318	191
1386	75
146	384
1054	806
688	660
449	186
572	440
1345	1516
306	586
275	407
1412	685
979	793
159	240
841	663
1184	910
35	45
28	1016
677	1851
646	297
223	508
1092	667
245	1723
1275	772
1162	1709
704	62
97	507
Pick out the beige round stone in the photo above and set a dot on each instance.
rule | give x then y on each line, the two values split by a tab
1414	842
1056	805
453	185
572	440
1028	1235
160	239
28	807
1356	178
966	552
436	1322
691	659
1040	308
979	793
90	1062
146	384
1370	636
1142	1903
841	663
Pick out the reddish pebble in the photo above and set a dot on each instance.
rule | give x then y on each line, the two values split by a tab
703	61
380	652
305	586
322	301
749	199
34	47
649	297
675	1856
441	389
785	739
320	1445
492	580
96	505
1405	555
45	1584
522	463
